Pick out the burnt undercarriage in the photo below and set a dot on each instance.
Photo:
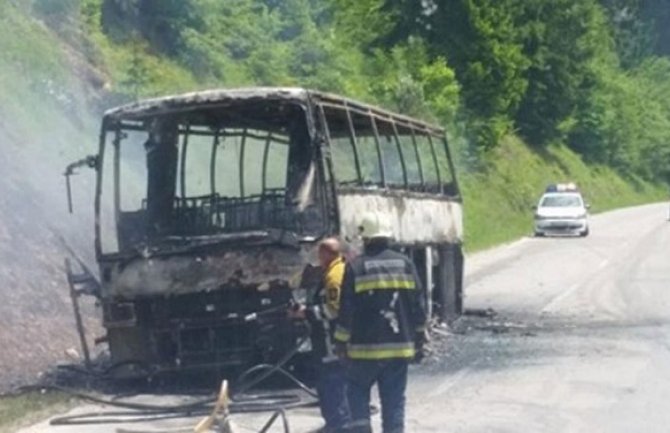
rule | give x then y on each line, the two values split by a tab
231	327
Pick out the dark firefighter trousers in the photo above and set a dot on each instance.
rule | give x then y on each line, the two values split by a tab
331	388
391	379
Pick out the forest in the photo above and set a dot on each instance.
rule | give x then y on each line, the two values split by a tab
593	74
530	91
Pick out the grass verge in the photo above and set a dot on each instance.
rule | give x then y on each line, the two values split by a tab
499	199
29	408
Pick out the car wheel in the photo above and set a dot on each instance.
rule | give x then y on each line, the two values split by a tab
539	234
585	233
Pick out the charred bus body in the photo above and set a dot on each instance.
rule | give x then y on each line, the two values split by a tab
209	206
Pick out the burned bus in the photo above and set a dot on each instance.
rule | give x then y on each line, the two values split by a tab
209	206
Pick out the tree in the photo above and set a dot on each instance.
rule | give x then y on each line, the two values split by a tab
409	81
137	74
561	38
480	41
161	22
657	12
632	33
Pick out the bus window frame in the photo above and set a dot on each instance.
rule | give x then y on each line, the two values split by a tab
182	160
116	143
97	203
111	144
400	152
380	155
354	144
266	153
240	171
450	161
212	162
415	129
418	158
325	167
438	171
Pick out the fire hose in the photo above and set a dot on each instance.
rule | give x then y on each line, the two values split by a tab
242	400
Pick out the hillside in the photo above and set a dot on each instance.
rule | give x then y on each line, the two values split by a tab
63	62
499	200
42	127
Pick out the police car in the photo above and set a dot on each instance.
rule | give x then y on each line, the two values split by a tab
562	210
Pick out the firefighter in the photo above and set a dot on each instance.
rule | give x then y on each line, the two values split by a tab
381	326
321	314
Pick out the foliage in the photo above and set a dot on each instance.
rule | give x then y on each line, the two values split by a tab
22	410
137	74
641	29
161	22
412	83
554	70
625	122
56	8
588	73
561	38
633	35
480	40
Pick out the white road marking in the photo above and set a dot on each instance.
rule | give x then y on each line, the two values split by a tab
571	290
517	244
450	382
558	299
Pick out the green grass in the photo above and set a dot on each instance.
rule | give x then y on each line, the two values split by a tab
41	98
499	199
23	410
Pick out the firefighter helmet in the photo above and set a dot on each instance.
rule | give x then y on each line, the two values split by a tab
375	225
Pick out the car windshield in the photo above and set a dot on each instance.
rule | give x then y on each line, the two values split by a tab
561	201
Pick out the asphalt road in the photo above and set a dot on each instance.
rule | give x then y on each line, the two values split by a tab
579	342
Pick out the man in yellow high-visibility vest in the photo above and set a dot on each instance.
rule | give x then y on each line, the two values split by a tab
321	314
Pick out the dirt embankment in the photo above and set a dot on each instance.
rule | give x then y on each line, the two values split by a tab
36	324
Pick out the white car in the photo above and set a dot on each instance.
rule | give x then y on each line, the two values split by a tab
561	212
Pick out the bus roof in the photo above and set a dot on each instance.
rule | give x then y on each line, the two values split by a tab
222	98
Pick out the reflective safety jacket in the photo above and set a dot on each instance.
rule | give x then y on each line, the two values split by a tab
324	310
382	308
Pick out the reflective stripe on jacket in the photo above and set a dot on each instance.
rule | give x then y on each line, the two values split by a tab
382	307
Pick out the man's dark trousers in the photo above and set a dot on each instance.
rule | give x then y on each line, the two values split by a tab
331	387
391	378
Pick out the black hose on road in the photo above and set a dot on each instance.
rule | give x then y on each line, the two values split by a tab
241	400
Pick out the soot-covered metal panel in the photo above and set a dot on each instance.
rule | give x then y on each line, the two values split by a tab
416	220
182	274
204	99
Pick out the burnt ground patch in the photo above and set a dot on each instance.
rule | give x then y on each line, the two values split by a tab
491	341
